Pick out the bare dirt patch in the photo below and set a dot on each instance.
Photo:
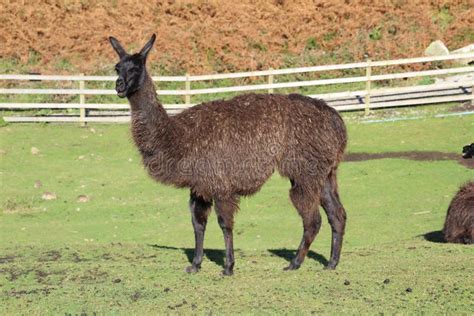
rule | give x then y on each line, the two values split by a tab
411	155
20	206
7	259
464	107
93	275
13	273
52	255
77	258
41	276
19	293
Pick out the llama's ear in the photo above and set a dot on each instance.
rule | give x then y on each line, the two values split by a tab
146	49
117	47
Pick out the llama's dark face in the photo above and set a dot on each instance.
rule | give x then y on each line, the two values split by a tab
131	74
130	69
468	151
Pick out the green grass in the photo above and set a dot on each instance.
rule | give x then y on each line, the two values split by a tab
125	250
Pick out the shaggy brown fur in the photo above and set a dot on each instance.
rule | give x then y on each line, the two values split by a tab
222	150
459	224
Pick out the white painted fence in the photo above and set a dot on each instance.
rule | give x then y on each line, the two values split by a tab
346	100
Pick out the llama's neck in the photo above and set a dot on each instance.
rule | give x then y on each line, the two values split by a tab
151	127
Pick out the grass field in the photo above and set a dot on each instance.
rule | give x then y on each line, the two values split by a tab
124	251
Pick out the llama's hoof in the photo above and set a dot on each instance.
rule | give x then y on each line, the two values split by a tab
191	269
227	272
330	266
292	267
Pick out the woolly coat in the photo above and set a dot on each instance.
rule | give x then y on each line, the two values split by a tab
230	148
459	224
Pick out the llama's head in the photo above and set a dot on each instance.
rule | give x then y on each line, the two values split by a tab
131	68
468	151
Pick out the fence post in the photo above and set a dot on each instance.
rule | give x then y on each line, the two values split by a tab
368	86
270	80
187	97
82	101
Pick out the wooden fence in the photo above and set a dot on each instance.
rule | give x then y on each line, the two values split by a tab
366	99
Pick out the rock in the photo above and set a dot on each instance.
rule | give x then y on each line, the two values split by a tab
49	196
83	198
409	290
436	48
34	150
464	50
38	184
386	281
347	282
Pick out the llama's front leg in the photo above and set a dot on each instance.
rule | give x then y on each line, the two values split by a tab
225	215
200	210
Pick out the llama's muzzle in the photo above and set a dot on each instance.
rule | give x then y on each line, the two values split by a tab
120	87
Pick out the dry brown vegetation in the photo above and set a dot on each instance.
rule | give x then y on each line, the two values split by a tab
206	36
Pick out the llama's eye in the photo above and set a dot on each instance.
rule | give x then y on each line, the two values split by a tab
117	69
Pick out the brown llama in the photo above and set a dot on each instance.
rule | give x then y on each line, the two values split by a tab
459	223
223	150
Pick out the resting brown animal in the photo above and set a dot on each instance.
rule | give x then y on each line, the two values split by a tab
223	150
459	224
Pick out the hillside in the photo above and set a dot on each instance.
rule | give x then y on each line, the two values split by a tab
219	36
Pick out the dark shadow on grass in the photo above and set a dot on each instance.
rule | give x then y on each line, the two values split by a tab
215	255
434	236
411	155
289	254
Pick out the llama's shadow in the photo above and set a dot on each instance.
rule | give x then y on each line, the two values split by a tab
218	255
215	255
434	236
289	254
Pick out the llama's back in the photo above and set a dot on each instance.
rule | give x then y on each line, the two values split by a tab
315	129
237	144
256	120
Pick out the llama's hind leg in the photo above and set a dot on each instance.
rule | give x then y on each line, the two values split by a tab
200	210
225	210
336	216
306	202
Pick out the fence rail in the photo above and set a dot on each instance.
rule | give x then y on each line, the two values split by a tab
367	99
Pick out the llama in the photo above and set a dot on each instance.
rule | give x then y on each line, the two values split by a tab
459	223
222	150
